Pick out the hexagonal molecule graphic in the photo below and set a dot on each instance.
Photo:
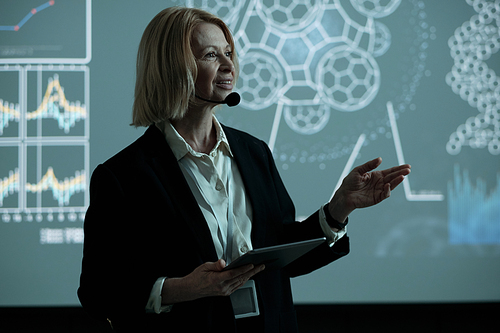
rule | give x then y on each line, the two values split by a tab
376	8
350	78
260	75
308	57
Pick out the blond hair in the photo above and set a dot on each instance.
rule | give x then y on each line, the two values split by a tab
166	66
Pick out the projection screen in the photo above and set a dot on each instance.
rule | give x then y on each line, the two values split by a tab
328	84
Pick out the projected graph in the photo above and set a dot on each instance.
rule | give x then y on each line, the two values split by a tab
9	185
61	190
55	106
45	177
52	108
45	32
474	210
27	17
44	125
10	98
9	112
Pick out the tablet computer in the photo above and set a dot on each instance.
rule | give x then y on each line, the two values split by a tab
278	256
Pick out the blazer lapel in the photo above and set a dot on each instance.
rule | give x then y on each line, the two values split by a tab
165	166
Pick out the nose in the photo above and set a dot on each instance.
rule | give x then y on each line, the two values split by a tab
226	65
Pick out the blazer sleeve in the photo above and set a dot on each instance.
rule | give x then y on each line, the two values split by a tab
107	261
137	231
310	228
278	213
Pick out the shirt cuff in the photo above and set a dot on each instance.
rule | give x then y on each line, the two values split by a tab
331	236
154	302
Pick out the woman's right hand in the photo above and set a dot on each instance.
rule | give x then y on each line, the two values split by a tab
208	279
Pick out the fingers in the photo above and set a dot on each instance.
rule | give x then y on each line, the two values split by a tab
395	178
255	270
375	163
217	266
245	272
241	279
220	265
369	166
403	169
235	272
228	282
386	192
396	175
209	279
389	174
396	181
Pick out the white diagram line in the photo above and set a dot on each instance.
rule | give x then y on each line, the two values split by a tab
350	162
401	160
276	125
410	196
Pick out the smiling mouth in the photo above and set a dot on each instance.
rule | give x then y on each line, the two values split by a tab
225	84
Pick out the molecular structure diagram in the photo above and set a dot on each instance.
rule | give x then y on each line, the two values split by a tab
307	57
470	47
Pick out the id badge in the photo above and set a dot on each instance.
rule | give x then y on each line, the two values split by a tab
244	300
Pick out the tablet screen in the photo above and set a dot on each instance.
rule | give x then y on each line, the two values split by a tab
278	256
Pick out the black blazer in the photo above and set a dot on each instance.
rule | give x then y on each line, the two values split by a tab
143	223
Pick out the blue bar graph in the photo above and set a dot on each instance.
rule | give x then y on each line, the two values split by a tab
473	213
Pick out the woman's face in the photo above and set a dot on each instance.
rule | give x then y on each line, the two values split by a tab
213	57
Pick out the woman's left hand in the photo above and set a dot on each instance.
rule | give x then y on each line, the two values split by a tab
363	187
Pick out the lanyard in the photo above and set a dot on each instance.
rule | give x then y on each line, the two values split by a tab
227	240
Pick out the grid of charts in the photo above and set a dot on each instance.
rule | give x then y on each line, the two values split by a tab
44	112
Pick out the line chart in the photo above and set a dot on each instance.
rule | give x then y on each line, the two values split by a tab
44	114
9	185
61	190
52	117
53	102
22	24
27	17
8	112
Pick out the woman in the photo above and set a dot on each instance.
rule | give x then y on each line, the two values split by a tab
169	211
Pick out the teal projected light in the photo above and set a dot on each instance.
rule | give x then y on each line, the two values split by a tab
328	84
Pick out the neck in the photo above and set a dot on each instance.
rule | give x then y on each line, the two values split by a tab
198	130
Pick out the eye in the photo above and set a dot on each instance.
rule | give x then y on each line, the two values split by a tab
210	55
229	54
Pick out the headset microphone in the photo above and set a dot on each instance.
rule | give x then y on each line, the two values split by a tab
232	99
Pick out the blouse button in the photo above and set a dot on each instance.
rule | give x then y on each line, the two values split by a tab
218	186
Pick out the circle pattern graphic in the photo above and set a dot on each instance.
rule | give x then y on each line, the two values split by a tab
472	45
350	78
